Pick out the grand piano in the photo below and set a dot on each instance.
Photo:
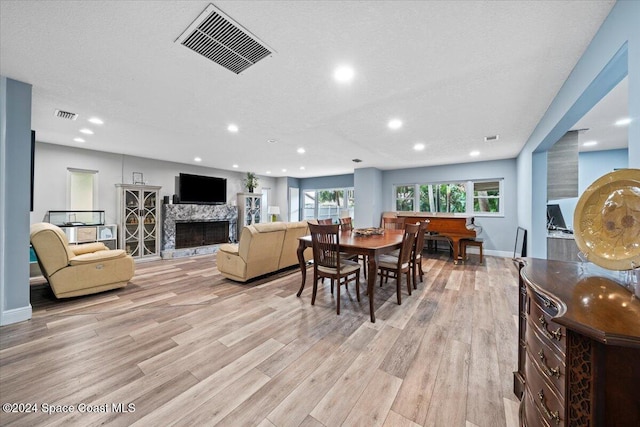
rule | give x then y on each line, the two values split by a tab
453	227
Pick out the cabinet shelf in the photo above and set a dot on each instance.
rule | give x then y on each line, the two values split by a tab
139	216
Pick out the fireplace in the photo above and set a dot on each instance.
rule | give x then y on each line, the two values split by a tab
189	229
201	233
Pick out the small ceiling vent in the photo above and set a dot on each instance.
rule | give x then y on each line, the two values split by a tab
219	38
65	115
491	138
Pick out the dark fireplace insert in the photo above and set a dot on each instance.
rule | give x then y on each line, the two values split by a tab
201	233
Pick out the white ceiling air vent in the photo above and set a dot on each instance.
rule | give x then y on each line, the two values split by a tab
491	138
65	115
218	37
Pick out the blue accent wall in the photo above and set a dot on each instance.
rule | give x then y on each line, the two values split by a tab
15	190
613	53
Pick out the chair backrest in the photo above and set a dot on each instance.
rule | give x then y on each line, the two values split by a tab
326	221
390	223
409	238
420	237
325	240
346	224
51	247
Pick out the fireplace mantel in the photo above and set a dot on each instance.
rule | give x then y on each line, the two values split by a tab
197	213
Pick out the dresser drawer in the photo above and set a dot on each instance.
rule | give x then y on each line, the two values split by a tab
547	402
550	332
547	362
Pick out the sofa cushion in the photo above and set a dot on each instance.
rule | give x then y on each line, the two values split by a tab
229	248
87	248
93	257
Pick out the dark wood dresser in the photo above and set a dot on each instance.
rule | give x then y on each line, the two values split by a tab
579	347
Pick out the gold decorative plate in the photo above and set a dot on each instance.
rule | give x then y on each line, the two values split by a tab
606	221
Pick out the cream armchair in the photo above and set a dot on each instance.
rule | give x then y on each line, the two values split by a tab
74	270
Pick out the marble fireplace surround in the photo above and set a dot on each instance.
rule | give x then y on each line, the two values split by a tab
193	213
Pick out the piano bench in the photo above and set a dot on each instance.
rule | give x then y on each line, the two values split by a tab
470	242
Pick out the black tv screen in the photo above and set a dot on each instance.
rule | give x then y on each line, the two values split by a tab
201	189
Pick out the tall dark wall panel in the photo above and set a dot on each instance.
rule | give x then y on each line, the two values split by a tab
562	168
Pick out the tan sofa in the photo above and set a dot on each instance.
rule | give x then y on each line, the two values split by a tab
74	270
262	249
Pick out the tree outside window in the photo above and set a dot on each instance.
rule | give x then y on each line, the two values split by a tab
404	197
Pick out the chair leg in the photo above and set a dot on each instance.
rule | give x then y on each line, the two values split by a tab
398	293
338	295
409	274
358	286
421	271
315	289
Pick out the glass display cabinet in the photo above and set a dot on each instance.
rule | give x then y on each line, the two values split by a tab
139	220
85	227
249	210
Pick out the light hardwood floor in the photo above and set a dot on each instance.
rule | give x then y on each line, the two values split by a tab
189	347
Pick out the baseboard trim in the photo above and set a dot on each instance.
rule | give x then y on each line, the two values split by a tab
15	315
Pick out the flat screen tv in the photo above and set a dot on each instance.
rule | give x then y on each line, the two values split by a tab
199	189
555	218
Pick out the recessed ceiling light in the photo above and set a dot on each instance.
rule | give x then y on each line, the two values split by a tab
197	159
235	166
394	124
474	153
590	143
344	74
86	131
284	170
271	141
301	168
96	121
623	122
232	128
78	140
268	172
301	150
419	146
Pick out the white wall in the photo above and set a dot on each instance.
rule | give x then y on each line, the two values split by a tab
52	161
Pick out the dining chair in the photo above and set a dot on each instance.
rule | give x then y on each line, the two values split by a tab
395	267
346	224
418	247
326	221
393	223
329	263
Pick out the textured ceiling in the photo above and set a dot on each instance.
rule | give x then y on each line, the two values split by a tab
453	71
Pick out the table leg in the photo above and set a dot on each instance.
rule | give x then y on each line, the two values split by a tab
371	281
303	266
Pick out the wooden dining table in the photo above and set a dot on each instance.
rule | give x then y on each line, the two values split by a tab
371	246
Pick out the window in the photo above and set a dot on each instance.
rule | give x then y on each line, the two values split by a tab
82	190
486	197
328	203
482	198
405	195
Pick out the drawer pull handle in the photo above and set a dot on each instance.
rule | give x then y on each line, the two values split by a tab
556	335
547	303
552	372
552	415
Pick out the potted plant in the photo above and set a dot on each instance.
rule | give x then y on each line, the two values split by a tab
251	181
